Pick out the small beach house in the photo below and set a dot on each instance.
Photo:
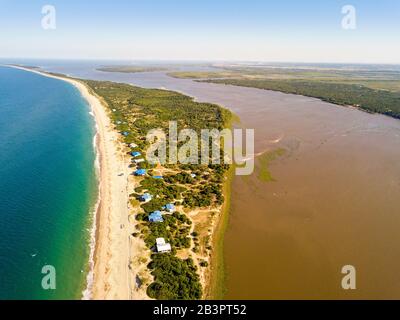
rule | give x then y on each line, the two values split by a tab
169	207
135	154
133	145
162	246
156	216
138	160
125	133
140	172
145	197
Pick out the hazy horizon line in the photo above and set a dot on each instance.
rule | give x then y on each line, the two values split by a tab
189	60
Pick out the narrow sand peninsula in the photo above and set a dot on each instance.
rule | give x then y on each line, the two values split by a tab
117	253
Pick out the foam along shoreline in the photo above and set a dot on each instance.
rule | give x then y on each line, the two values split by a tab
109	277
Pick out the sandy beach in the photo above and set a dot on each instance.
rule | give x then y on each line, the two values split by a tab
117	254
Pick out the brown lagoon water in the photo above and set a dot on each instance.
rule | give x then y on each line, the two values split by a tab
335	199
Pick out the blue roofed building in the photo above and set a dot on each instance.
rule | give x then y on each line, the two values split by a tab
158	177
156	216
140	172
145	197
135	154
169	207
125	133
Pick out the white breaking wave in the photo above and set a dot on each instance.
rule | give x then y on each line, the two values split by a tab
87	293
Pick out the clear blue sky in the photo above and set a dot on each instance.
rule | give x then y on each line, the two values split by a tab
282	30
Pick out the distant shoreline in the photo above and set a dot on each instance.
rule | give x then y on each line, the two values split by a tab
131	69
378	96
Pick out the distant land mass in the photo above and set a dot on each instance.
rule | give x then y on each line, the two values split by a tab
368	88
368	99
131	69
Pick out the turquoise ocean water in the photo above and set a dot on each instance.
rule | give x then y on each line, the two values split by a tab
48	185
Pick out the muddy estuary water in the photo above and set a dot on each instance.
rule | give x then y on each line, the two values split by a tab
334	199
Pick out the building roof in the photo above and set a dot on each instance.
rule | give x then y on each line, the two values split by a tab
158	177
153	217
146	196
136	154
169	206
140	172
156	216
163	247
125	133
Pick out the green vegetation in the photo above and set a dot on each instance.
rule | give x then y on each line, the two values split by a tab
204	196
174	279
217	287
175	229
365	98
146	109
204	264
320	72
162	192
136	111
131	69
265	160
181	178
